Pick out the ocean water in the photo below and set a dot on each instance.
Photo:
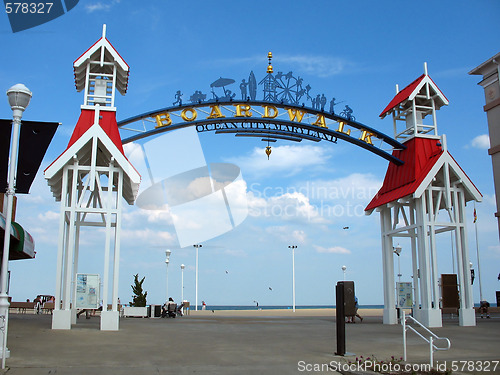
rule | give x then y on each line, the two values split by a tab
279	307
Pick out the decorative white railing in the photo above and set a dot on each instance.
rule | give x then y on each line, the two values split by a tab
433	337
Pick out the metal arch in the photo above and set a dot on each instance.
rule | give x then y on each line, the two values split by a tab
326	133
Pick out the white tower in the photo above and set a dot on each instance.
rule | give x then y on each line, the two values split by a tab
422	198
89	179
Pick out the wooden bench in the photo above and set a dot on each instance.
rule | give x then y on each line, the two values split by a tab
22	307
48	307
491	309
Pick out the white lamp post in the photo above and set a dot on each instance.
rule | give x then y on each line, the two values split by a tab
182	282
397	251
343	270
19	98
167	261
293	247
196	281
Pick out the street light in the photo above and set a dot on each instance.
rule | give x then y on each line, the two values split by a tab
167	261
182	282
343	270
397	250
196	283
19	97
472	276
293	247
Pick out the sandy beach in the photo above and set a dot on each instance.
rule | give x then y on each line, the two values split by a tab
281	312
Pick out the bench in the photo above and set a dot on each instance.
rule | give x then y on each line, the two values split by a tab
48	307
22	307
491	309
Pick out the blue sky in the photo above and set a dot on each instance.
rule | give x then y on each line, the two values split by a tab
354	51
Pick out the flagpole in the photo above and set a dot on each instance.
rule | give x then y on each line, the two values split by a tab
478	261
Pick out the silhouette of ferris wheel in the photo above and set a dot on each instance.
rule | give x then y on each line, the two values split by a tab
289	88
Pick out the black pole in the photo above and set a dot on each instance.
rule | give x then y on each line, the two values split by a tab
340	310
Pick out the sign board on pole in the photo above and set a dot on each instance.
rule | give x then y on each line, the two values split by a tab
405	294
87	291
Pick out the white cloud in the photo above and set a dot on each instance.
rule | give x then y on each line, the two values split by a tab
149	236
100	5
355	187
332	250
289	159
481	141
315	65
49	216
286	234
289	206
299	236
320	66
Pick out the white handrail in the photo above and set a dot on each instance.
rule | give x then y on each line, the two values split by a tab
430	341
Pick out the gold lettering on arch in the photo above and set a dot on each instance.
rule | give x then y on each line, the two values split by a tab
193	114
270	111
162	119
243	110
366	136
320	121
215	112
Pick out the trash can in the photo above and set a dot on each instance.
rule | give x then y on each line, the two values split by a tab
154	311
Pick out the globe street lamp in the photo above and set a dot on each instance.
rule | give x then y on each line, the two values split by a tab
19	97
293	247
167	261
196	283
182	282
343	270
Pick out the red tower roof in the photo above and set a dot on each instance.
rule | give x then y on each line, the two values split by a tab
410	91
107	121
401	180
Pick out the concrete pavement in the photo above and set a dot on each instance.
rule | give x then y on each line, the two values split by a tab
215	344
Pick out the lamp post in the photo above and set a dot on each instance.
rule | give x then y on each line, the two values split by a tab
397	250
343	270
167	261
196	281
19	97
293	247
182	282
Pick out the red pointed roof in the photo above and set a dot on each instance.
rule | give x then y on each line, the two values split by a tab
401	180
107	121
402	95
410	91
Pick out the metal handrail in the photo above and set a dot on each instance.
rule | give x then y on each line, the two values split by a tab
430	341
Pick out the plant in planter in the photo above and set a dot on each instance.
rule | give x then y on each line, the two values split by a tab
139	297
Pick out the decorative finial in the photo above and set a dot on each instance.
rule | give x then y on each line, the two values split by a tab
104	31
268	151
269	67
425	68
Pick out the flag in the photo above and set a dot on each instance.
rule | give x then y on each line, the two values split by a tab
475	215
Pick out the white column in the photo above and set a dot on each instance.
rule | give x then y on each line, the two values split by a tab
390	316
116	267
466	315
109	319
428	316
61	319
75	269
61	243
433	250
414	258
